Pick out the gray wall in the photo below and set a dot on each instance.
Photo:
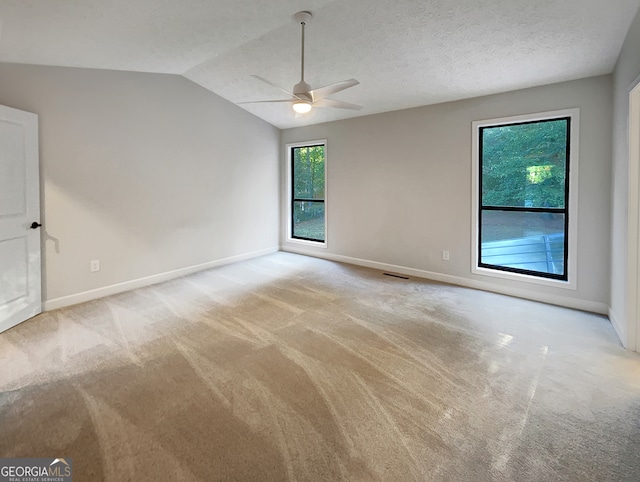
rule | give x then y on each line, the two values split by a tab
626	71
399	187
147	172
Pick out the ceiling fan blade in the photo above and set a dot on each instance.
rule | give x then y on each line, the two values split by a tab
336	103
264	101
274	85
322	92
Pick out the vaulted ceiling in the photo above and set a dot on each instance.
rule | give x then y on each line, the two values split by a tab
405	53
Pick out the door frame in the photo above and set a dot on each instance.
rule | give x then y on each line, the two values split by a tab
632	321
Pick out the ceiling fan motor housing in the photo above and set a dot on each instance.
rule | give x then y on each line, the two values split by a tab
301	90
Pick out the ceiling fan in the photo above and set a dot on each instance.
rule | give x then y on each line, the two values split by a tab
303	97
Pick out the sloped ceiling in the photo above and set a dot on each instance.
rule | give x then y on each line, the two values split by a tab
405	53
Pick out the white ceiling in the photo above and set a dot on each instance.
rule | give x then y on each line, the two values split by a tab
405	53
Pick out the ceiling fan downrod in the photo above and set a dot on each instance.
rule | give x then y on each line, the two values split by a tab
301	89
302	53
302	18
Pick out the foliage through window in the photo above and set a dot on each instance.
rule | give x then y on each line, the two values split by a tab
524	197
307	192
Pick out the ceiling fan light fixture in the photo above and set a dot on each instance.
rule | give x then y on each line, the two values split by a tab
302	106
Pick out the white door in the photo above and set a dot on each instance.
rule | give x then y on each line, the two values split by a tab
20	287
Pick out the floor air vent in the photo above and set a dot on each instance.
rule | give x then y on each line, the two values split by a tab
395	275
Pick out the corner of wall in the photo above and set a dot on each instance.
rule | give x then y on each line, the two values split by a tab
619	327
624	196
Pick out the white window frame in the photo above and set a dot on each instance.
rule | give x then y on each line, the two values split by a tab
288	184
571	266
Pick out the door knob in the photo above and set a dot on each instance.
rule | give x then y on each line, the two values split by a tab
35	225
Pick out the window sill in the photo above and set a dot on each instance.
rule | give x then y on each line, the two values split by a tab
306	242
524	278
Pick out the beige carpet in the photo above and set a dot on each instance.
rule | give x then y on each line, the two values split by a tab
287	367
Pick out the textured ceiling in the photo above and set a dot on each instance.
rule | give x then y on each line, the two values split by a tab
405	53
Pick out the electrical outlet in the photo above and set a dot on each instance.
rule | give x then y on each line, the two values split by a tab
445	255
95	265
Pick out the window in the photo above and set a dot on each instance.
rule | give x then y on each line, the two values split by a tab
524	195
307	188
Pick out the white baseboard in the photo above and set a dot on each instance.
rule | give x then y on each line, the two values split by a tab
584	305
148	280
619	327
